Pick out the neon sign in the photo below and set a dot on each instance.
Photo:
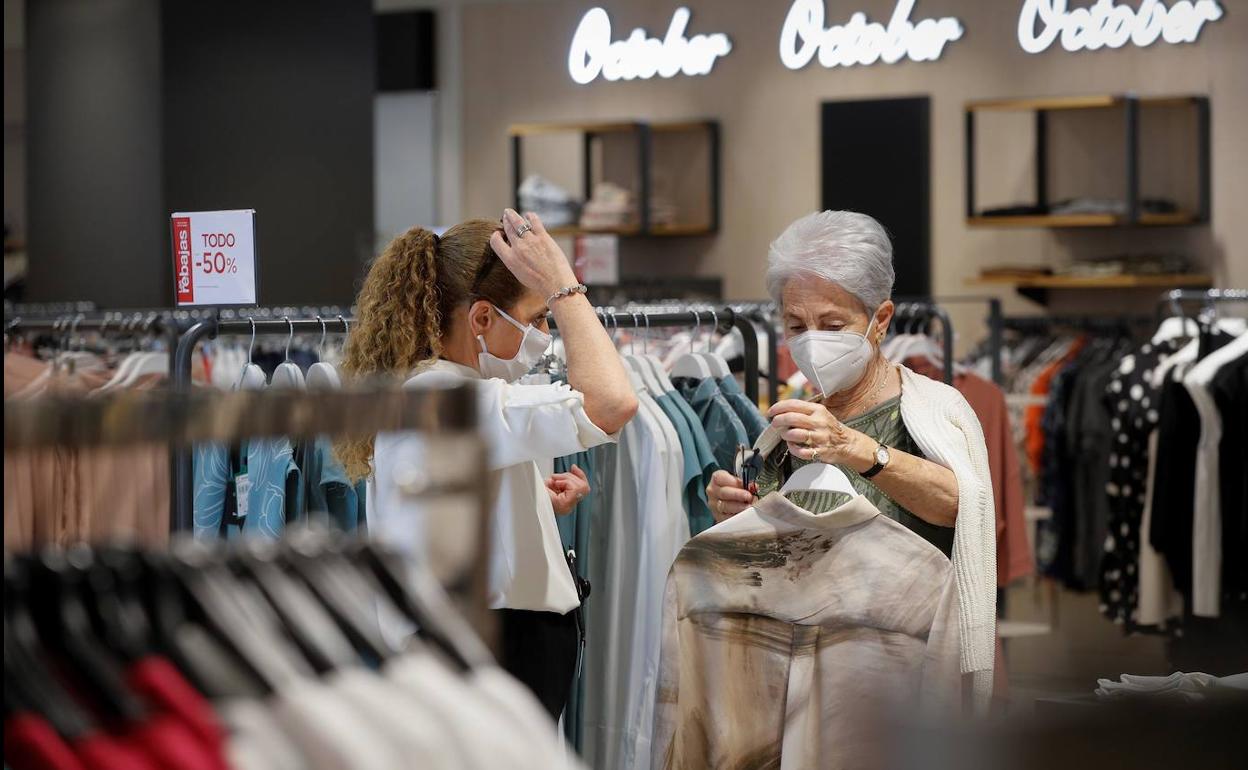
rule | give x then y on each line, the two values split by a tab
860	42
593	53
1106	25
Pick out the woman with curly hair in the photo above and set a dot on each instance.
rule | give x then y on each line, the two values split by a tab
473	304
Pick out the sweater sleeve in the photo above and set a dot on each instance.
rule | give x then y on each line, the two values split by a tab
947	430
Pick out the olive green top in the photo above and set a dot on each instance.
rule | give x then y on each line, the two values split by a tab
884	424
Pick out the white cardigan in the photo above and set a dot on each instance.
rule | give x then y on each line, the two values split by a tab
948	433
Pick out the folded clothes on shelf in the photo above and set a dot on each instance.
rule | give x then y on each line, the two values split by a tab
555	205
1127	264
1082	206
1015	271
610	206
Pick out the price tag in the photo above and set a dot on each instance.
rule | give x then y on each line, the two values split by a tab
214	258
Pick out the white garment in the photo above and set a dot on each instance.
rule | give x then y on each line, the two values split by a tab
1158	600
632	565
1207	505
256	741
663	528
466	718
330	732
519	708
519	424
948	433
397	716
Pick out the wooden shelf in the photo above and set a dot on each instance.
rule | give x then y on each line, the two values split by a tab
1182	280
668	231
534	129
1096	101
1083	220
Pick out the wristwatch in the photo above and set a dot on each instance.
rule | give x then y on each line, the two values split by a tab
881	460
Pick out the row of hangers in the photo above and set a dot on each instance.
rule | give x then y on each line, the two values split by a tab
288	375
71	359
247	617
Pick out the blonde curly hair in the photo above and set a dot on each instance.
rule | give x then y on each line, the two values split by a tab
406	303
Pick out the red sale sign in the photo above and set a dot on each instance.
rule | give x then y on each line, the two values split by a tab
184	279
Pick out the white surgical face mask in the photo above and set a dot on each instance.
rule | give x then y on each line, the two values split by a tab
832	361
532	346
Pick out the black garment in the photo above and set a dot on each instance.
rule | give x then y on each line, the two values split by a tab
540	649
1054	488
1174	482
1133	407
1230	392
1089	435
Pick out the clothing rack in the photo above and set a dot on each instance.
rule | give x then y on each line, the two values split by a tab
722	319
924	312
1171	300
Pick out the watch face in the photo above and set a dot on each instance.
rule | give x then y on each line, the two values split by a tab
881	455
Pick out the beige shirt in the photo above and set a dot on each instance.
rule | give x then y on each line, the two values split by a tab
783	630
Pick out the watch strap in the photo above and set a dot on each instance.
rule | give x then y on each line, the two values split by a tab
874	469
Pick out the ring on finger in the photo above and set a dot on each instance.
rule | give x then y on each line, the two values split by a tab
810	438
523	229
814	455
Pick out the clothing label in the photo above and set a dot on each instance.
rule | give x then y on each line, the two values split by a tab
242	488
214	258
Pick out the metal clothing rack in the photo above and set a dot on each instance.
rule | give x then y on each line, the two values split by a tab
1172	299
722	319
924	312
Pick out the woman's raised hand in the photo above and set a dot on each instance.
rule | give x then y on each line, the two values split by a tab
531	254
727	496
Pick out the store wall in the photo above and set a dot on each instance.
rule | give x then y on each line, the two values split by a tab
515	70
93	139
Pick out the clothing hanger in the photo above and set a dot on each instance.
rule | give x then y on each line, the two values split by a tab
655	365
287	375
305	619
642	368
420	597
691	364
823	477
118	619
150	363
1177	326
323	376
715	362
252	377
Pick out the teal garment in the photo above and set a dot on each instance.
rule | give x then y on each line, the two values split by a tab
574	532
275	495
330	492
697	450
723	427
753	419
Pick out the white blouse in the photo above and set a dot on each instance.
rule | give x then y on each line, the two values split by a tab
520	424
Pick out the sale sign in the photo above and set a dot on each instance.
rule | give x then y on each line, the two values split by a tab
214	258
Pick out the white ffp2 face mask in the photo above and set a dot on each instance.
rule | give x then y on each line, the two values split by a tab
832	361
532	346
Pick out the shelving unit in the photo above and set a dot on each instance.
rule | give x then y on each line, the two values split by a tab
651	139
1130	106
1037	288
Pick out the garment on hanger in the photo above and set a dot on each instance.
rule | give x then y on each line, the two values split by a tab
253	488
724	429
776	658
747	411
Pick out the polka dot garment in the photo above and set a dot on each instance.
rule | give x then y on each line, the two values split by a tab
1132	403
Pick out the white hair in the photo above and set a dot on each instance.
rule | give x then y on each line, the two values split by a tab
849	249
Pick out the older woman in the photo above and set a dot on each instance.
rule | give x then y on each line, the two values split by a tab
909	444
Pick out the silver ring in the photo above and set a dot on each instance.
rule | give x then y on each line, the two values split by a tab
814	455
522	229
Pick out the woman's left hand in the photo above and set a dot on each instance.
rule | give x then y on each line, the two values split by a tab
567	489
813	433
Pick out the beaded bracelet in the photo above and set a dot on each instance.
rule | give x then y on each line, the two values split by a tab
567	291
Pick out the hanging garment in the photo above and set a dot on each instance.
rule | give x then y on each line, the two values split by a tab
1159	604
723	427
753	420
781	626
330	492
253	489
697	449
1133	400
1206	505
1230	392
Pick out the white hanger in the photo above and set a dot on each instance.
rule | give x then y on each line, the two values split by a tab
287	375
655	364
691	364
123	369
252	376
819	476
323	376
149	363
